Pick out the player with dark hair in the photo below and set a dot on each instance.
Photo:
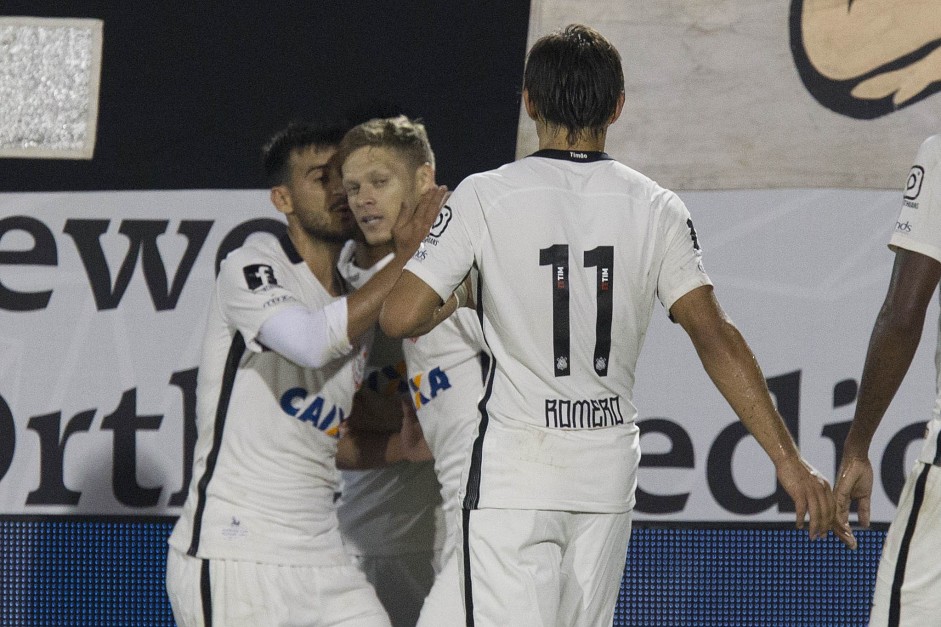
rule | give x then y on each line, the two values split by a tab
908	583
257	542
573	248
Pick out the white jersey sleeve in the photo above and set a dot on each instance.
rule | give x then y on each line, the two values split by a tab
918	227
251	290
309	338
455	251
681	268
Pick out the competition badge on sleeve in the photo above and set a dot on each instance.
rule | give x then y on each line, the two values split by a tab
259	276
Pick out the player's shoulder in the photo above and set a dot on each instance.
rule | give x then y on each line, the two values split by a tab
627	173
627	180
933	141
260	248
930	149
267	245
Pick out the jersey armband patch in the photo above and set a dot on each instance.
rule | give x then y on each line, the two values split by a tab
259	275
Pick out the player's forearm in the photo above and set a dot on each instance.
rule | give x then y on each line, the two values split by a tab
364	304
309	338
735	372
891	350
439	315
411	308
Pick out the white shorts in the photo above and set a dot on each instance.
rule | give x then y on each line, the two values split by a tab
231	593
538	568
401	581
444	605
908	582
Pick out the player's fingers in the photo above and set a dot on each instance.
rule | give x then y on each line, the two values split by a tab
820	499
842	497
430	205
829	504
864	505
821	511
845	534
800	508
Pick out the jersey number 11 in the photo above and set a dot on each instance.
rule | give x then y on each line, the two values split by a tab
601	258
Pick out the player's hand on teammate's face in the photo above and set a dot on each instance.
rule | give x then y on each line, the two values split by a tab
413	223
812	497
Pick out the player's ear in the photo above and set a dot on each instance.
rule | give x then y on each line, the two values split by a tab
281	199
617	109
530	107
424	177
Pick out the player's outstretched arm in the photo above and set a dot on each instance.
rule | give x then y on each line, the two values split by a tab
735	372
895	337
412	308
410	229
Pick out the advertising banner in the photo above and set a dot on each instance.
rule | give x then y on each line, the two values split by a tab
103	297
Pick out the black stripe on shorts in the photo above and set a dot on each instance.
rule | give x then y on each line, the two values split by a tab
468	591
205	593
895	600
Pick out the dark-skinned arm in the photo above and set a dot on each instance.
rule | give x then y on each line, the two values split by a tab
892	345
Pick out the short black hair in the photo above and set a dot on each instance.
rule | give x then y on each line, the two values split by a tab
574	79
276	153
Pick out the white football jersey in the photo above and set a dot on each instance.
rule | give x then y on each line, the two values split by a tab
264	473
573	248
445	382
395	509
918	229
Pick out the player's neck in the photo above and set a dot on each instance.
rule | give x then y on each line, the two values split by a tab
557	139
321	257
366	255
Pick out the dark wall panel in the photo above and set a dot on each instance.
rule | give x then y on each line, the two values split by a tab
190	91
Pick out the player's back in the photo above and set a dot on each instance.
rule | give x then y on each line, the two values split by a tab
573	249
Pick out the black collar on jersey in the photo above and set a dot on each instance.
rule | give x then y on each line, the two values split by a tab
288	246
579	156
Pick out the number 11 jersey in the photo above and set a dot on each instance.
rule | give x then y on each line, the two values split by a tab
573	248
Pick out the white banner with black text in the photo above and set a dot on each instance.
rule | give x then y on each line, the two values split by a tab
103	298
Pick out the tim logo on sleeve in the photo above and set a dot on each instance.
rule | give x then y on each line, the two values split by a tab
259	276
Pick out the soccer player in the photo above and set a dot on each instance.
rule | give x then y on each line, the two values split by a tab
257	542
387	164
908	582
572	249
390	517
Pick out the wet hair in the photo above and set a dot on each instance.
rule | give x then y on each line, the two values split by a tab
407	136
296	136
574	79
